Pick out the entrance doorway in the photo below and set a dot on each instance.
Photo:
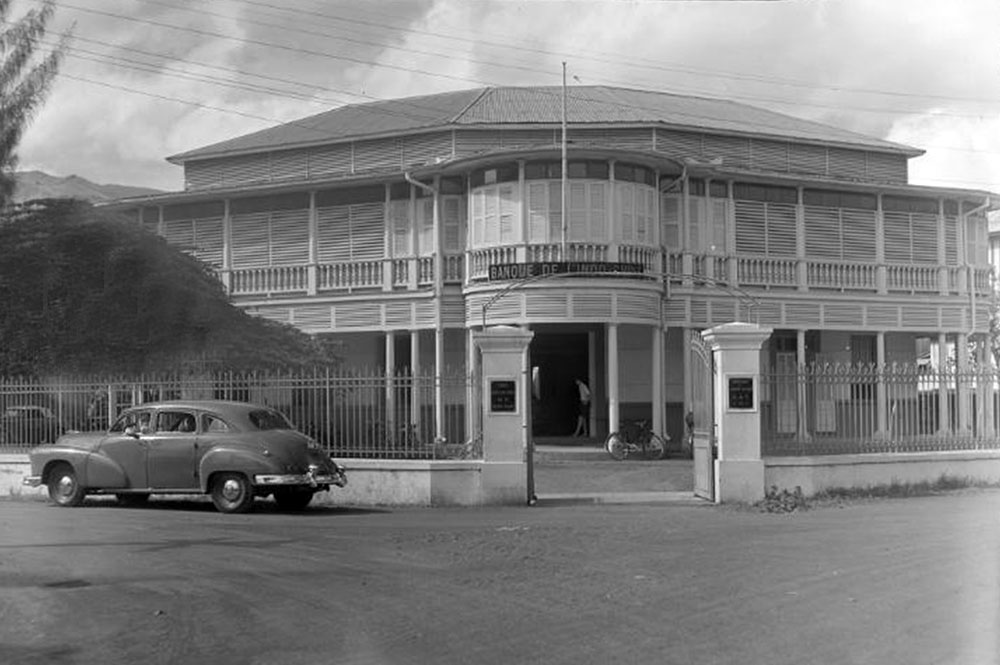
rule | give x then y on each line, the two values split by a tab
557	359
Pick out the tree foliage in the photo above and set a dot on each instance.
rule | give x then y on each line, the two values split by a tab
24	80
83	290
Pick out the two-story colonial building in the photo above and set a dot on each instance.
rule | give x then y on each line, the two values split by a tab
612	222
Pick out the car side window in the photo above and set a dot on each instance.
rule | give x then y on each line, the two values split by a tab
139	420
210	423
175	421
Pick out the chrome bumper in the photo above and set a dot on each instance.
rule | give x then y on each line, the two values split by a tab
309	478
32	481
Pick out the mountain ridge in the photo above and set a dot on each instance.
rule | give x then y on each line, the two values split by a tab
39	185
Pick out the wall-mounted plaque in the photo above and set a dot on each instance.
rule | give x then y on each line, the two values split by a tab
503	396
741	395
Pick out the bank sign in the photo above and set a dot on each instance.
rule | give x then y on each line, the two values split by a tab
506	271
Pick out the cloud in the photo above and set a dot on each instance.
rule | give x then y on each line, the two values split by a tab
920	72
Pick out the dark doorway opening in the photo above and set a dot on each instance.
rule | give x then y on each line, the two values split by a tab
557	359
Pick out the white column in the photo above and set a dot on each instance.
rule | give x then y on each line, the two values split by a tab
944	424
881	400
612	353
312	269
438	385
657	378
472	405
390	388
415	414
962	381
800	361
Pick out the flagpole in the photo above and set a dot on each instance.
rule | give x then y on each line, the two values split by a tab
565	193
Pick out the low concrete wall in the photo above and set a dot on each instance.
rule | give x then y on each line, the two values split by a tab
370	483
823	472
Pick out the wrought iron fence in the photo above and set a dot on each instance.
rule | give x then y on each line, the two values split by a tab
354	414
827	409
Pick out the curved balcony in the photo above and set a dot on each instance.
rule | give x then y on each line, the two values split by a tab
681	268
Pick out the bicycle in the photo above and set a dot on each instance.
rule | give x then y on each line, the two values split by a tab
636	439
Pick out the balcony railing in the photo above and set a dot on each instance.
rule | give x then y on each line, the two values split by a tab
410	273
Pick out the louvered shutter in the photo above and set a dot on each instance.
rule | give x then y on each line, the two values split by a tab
577	211
670	220
451	219
951	240
751	227
975	241
478	218
823	232
334	231
555	212
626	211
508	214
780	229
399	221
925	238
538	209
598	212
289	237
179	233
719	208
897	236
367	231
858	234
696	223
491	222
208	240
425	210
251	240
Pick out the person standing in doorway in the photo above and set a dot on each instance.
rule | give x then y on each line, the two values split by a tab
583	409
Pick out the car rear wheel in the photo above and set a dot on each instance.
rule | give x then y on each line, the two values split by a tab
132	500
293	499
232	493
64	486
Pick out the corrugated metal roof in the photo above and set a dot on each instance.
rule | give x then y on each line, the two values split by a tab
592	105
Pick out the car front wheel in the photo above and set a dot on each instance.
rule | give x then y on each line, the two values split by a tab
64	486
232	493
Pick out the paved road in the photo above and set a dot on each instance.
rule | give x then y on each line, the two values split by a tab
897	581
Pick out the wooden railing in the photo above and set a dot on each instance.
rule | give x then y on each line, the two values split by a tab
406	273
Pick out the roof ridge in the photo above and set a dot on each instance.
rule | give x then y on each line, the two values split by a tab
482	93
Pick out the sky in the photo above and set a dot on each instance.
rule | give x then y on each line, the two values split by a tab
146	79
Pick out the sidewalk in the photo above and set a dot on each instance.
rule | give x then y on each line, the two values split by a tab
581	471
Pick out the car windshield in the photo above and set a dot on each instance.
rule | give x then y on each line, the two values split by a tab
262	419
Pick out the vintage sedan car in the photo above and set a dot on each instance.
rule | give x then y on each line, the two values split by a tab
233	451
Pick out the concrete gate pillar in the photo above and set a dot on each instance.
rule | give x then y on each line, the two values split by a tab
739	469
505	413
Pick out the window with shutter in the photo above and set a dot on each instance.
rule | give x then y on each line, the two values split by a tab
538	212
451	220
208	240
425	216
670	220
897	235
508	215
951	240
577	211
289	237
491	217
598	212
925	237
555	211
751	227
251	240
858	234
976	242
367	236
823	232
720	211
626	212
696	224
780	229
399	222
333	227
478	218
